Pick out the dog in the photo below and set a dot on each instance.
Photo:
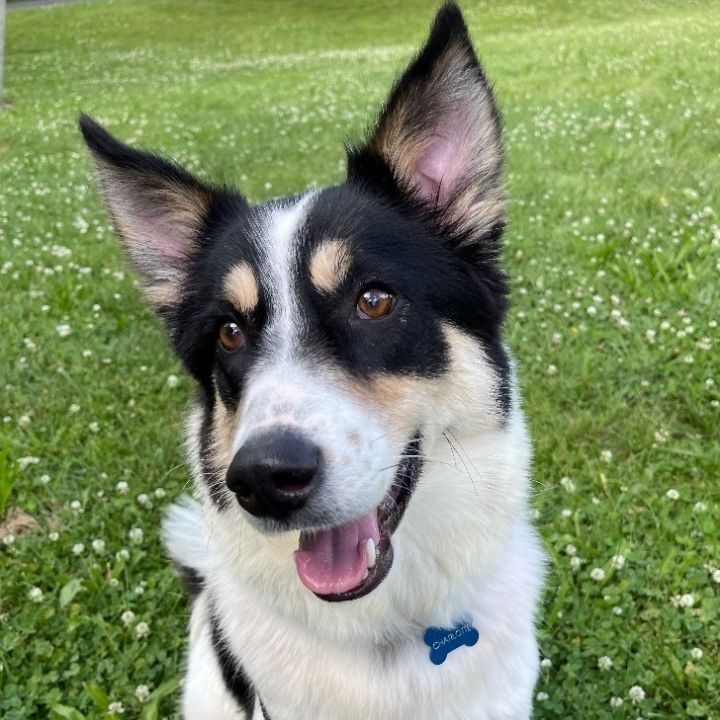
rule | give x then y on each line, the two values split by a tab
361	545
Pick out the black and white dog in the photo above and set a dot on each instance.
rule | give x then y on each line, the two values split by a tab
357	442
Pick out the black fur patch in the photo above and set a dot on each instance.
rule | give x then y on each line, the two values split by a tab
191	580
236	681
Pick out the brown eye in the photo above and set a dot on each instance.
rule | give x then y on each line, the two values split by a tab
374	303
231	336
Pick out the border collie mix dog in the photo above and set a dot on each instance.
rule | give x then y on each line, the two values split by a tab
357	441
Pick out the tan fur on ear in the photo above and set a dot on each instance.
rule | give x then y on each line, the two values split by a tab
157	208
177	213
329	264
440	135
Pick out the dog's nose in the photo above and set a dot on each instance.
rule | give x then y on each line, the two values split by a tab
273	474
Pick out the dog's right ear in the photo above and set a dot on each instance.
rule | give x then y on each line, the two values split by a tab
437	141
158	209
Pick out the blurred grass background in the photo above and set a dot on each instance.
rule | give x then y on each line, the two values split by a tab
612	115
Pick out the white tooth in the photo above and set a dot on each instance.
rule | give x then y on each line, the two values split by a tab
371	553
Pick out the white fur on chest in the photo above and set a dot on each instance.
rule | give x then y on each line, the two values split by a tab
302	674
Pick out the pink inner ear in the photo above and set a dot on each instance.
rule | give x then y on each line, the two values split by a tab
164	238
444	161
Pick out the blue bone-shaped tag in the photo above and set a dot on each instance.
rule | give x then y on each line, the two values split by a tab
442	641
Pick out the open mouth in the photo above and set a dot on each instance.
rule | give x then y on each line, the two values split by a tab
348	562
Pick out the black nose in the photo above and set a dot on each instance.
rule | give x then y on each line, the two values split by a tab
273	474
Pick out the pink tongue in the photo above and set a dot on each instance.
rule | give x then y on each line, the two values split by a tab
335	561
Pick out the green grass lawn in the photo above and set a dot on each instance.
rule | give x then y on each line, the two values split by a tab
612	114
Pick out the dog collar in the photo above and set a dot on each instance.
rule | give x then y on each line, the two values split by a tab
443	641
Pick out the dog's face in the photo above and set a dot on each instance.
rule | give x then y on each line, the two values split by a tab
336	336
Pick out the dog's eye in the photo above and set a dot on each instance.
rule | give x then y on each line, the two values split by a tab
374	303
231	336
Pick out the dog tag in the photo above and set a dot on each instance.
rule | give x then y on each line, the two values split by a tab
443	641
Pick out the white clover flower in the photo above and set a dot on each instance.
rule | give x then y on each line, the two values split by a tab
142	693
597	574
93	427
616	702
98	545
54	536
173	381
139	590
542	696
78	549
122	554
24	420
716	576
76	506
566	513
44	479
570	550
35	594
81	224
568	485
74	408
636	694
591	311
9	539
575	563
604	663
144	500
114	582
606	456
128	618
696	653
136	535
546	663
142	630
661	437
115	708
617	610
672	494
700	507
552	369
160	493
63	330
618	562
686	600
122	487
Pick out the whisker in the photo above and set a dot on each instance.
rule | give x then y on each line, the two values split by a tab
454	449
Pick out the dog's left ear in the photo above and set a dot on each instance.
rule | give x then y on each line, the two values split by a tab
437	141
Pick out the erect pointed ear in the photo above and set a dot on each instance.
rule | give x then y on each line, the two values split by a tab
439	135
158	210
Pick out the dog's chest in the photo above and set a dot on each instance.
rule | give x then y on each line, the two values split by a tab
300	676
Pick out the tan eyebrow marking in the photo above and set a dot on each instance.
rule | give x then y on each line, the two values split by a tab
329	264
241	288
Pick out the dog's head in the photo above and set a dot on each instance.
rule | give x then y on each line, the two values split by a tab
338	335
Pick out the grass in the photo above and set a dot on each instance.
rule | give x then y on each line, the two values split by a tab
612	115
